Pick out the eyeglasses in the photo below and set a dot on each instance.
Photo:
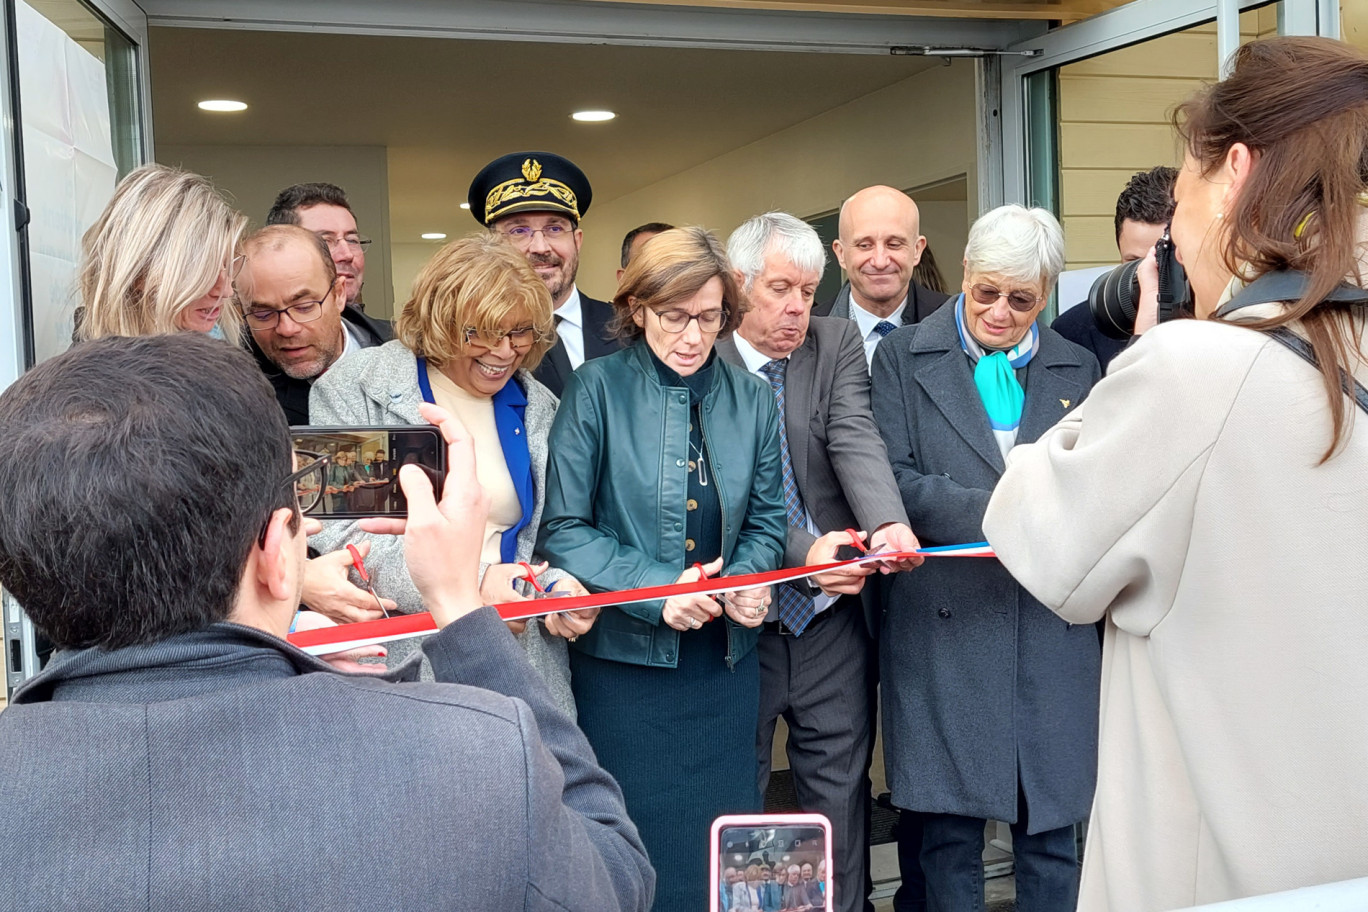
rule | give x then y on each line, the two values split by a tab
1019	301
519	337
522	235
305	483
356	242
676	321
303	312
235	266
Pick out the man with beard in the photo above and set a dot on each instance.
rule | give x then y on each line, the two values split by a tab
323	209
299	322
536	201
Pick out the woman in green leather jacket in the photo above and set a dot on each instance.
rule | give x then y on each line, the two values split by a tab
663	460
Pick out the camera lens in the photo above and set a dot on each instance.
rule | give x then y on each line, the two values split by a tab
1114	300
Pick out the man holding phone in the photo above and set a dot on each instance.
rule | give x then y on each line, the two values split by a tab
176	715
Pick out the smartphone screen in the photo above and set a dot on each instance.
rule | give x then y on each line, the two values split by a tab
362	475
781	863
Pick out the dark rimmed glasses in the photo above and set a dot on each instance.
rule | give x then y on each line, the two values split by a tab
306	483
356	242
676	321
987	295
303	312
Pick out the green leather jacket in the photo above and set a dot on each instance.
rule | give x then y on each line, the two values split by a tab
616	482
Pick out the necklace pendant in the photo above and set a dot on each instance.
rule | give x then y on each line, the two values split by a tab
702	472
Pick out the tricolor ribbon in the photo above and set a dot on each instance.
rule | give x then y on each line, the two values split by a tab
327	640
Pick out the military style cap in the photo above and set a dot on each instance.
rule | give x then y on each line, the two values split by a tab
529	182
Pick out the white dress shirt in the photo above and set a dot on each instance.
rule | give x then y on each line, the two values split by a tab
866	322
755	362
571	328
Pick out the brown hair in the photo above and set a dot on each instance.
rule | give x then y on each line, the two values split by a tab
1301	106
474	282
671	267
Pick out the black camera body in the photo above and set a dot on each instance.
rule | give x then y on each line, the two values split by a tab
1115	297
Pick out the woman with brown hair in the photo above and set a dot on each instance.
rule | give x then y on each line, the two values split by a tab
665	464
1208	501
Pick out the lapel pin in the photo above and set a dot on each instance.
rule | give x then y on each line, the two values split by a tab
1065	402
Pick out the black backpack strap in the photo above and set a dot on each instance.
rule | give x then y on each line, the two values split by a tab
1301	347
1286	286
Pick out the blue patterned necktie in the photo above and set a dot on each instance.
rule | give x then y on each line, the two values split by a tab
883	328
795	609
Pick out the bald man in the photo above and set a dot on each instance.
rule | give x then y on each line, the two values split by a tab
879	244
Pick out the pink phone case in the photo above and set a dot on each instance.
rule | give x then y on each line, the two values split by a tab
773	822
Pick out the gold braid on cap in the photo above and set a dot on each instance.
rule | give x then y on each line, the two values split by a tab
532	184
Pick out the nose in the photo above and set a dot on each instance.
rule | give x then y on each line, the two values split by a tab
504	349
795	303
222	287
693	333
342	252
286	325
880	258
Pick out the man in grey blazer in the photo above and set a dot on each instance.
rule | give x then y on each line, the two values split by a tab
180	754
817	663
879	245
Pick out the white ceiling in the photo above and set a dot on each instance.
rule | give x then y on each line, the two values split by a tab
445	107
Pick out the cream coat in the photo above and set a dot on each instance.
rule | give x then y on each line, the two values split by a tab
1186	497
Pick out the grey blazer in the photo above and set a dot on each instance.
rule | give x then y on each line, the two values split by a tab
225	770
379	386
982	685
839	460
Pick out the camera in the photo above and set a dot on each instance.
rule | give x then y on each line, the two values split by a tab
1114	298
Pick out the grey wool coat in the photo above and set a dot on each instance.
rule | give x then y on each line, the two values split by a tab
379	386
983	687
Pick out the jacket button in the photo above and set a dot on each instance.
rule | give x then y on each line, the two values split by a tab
692	505
944	612
688	544
669	656
692	465
679	463
678	526
683	399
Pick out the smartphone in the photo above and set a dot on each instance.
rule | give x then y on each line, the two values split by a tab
753	853
362	476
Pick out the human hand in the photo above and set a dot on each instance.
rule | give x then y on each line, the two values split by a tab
570	624
349	660
896	537
442	540
842	581
747	607
1147	307
329	591
686	612
498	587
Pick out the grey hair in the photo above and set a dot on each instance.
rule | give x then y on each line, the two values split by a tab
776	232
1017	243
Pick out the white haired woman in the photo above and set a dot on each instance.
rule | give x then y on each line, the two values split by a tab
989	699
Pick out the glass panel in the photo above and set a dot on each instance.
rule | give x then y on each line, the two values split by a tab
81	128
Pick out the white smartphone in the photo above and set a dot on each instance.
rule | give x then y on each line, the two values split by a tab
771	861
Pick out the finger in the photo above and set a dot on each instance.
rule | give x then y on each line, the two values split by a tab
380	525
712	568
363	548
312	526
353	615
516	626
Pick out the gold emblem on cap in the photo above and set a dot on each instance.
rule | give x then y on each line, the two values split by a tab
531	169
531	188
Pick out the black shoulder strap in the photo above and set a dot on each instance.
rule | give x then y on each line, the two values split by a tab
1290	286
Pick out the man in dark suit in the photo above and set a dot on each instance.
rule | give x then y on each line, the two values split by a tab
287	269
880	243
177	715
536	200
816	653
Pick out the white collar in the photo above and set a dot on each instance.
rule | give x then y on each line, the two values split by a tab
571	312
866	321
753	358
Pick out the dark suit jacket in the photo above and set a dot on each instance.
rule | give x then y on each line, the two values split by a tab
921	303
203	757
839	461
982	685
293	394
555	367
1077	325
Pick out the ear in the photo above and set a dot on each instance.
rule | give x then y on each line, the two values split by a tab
273	558
579	239
638	317
917	249
340	292
1236	168
839	249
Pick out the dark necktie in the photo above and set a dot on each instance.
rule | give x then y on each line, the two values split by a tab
883	328
795	609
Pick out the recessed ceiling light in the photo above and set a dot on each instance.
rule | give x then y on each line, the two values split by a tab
433	236
593	116
465	205
222	104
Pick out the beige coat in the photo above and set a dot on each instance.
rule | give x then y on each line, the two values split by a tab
1186	497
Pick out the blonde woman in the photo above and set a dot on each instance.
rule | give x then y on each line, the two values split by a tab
478	322
160	259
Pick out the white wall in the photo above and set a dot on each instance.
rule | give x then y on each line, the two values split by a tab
253	175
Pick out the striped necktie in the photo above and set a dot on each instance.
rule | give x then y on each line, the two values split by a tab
795	609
